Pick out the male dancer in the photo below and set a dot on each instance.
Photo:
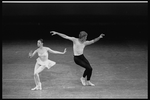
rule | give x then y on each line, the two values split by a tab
42	61
78	49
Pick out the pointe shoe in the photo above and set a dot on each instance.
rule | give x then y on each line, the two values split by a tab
38	87
35	88
89	83
82	81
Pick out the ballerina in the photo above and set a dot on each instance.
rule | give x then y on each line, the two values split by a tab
42	61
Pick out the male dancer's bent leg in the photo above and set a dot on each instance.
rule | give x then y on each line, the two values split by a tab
82	61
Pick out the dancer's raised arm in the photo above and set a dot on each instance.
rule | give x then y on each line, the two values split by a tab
56	52
63	35
94	40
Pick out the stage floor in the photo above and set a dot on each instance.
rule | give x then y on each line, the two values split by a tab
119	71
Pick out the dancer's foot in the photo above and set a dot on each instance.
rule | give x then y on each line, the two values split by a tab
83	81
89	83
35	88
40	86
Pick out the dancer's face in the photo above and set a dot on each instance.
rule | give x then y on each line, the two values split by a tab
83	38
39	43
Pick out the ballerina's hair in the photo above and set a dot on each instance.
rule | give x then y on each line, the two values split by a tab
41	40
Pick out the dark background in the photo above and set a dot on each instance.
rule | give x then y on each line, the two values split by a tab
119	22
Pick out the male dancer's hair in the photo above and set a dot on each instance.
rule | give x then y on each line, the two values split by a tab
82	34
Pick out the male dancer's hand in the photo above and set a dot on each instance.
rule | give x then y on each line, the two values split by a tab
53	32
101	36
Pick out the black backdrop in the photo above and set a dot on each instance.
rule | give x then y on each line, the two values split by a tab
119	22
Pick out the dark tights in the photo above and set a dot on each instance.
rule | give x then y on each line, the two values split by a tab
83	62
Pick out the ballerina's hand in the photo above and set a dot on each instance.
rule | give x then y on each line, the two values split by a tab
30	54
64	51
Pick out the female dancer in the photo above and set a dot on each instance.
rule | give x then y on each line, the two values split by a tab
42	61
78	49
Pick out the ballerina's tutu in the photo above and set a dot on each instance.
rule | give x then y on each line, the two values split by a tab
48	63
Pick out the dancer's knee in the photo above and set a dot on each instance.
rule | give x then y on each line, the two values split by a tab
90	68
35	74
40	69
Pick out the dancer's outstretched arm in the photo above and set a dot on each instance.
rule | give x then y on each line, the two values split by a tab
63	35
94	40
32	54
56	52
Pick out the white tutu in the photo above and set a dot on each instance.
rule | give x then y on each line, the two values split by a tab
48	63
